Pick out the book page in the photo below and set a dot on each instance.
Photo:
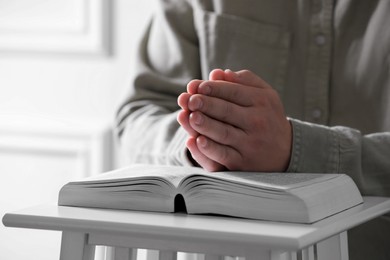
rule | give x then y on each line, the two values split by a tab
173	174
176	174
274	180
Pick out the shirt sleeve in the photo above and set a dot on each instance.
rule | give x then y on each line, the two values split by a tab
339	149
167	59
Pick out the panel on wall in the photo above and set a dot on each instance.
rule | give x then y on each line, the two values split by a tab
55	26
36	159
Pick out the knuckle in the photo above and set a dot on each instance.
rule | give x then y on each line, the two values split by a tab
226	135
226	111
224	156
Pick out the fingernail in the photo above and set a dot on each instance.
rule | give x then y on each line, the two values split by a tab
196	103
204	89
201	141
229	71
198	118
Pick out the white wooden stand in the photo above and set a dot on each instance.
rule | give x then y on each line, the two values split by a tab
215	237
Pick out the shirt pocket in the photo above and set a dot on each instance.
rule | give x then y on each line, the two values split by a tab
236	43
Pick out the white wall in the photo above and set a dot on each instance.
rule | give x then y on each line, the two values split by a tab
61	85
55	107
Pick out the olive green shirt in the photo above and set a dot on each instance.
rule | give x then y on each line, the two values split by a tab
328	60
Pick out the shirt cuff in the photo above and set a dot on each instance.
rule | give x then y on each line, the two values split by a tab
315	148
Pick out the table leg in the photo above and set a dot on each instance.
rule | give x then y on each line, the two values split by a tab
213	257
309	253
74	246
123	253
335	247
167	255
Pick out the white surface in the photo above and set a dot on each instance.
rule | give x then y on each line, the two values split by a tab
71	27
68	86
190	229
45	84
37	158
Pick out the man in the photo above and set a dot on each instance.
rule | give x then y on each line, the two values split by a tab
295	86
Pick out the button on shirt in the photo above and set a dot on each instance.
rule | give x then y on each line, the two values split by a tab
320	39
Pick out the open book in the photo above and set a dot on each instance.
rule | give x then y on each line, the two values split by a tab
289	197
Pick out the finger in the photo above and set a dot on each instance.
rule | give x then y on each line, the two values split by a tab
218	109
217	74
230	76
183	99
216	152
229	91
201	159
183	119
192	86
245	77
218	131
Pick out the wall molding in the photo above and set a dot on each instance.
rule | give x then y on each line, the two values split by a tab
38	155
56	26
89	144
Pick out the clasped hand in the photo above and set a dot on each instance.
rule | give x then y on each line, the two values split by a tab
235	121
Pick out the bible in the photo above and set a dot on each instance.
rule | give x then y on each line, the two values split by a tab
287	197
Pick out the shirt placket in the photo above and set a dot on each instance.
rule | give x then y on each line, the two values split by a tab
318	62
